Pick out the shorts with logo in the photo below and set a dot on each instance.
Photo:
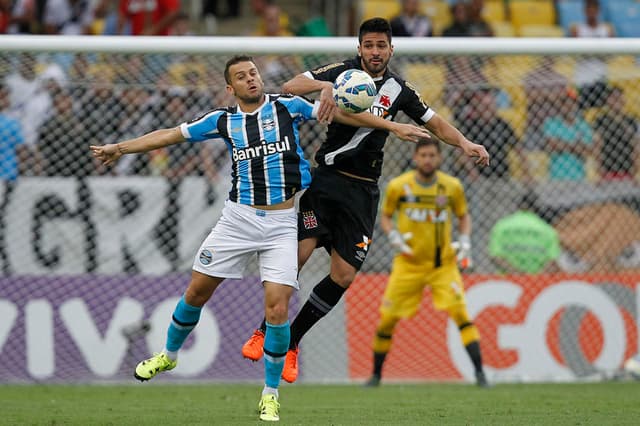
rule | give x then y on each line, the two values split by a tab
242	232
407	282
340	211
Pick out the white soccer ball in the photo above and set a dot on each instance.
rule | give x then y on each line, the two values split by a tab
632	366
354	91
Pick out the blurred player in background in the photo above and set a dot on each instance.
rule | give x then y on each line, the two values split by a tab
259	216
424	202
342	220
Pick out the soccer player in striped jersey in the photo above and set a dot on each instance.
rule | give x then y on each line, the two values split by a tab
351	159
423	202
268	168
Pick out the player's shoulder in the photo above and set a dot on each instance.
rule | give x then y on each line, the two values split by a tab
287	97
335	67
392	75
217	112
402	179
448	180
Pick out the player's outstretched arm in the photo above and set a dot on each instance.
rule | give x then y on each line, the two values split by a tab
303	85
452	136
407	132
110	153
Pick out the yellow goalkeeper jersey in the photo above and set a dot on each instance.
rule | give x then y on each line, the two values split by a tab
426	212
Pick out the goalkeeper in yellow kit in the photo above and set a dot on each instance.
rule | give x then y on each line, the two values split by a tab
424	201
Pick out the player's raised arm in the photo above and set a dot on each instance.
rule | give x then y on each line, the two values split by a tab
452	136
303	85
110	153
408	132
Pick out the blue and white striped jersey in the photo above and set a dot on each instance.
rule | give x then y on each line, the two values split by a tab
268	162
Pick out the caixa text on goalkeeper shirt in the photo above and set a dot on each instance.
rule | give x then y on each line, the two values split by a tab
265	148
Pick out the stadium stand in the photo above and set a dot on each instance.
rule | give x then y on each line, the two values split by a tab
439	13
503	29
538	30
428	78
571	12
625	17
383	8
532	12
494	11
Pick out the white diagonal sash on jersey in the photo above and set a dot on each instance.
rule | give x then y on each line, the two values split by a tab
392	89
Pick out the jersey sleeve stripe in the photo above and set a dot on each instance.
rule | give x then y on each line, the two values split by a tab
184	129
428	115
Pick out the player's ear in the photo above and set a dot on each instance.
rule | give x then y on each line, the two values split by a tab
230	90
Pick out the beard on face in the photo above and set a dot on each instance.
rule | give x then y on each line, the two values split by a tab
251	99
374	69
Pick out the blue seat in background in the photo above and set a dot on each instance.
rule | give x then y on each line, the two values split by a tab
570	12
624	15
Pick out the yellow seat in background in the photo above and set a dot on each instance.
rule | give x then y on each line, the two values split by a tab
537	30
439	13
178	71
493	11
383	8
102	72
503	29
538	165
532	12
429	79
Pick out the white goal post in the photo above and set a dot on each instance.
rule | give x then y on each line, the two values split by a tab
309	45
89	257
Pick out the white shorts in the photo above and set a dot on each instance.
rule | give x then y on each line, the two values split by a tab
243	231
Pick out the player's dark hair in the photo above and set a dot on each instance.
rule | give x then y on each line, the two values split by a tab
428	142
375	25
235	60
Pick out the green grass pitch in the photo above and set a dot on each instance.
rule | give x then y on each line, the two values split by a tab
613	403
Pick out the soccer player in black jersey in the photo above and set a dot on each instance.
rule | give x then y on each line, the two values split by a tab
350	159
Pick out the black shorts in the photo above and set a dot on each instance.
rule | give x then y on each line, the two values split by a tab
340	211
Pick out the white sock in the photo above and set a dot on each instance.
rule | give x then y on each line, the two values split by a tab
173	355
272	391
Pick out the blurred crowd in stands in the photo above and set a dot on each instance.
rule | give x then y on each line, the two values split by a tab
414	18
541	118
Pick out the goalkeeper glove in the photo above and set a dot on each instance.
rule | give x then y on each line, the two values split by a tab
463	251
399	241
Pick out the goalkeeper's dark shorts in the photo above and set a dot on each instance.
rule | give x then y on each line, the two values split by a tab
340	211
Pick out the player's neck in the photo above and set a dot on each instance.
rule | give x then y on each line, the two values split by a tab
425	180
250	107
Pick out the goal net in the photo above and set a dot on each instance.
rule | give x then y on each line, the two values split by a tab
93	259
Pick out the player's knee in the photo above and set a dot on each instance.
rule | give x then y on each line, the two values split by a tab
196	297
459	315
276	313
343	276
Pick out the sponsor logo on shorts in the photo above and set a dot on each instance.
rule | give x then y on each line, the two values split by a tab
309	219
360	255
205	257
364	245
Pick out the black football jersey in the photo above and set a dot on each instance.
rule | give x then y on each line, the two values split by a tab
359	150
